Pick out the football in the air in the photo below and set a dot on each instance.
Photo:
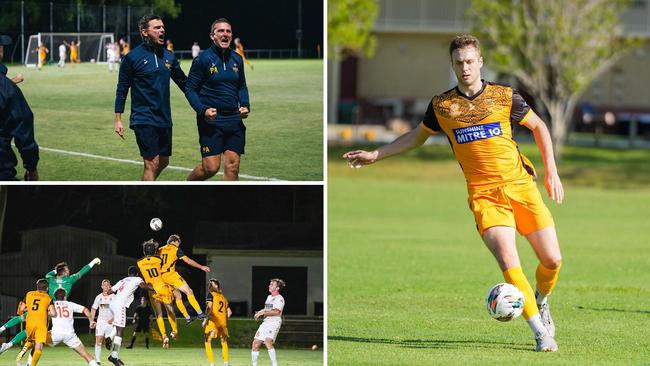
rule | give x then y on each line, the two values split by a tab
155	224
504	302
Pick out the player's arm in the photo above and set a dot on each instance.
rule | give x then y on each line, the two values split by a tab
264	313
545	145
192	263
51	310
178	75
123	84
244	100
90	316
208	310
50	274
85	269
228	311
194	84
135	317
408	141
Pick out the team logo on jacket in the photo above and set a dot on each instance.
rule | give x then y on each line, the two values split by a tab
477	132
213	69
168	64
235	68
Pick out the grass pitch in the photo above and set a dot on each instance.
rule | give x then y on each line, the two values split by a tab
74	113
408	274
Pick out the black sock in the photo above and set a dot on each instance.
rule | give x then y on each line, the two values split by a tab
146	341
132	341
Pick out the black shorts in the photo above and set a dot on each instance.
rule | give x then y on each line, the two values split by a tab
217	138
153	141
142	327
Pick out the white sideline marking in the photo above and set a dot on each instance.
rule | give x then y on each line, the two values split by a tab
173	167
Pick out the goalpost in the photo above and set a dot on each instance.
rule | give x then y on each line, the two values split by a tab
92	46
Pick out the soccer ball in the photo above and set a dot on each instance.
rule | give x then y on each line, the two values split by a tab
504	302
155	224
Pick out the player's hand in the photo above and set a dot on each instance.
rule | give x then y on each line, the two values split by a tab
18	78
119	129
259	314
554	187
359	158
204	322
93	325
95	262
205	269
31	175
243	112
211	114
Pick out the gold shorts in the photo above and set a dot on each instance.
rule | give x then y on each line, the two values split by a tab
163	293
36	332
217	329
517	205
173	279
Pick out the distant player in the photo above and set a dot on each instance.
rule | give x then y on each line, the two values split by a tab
74	51
196	49
272	314
58	278
111	55
42	55
216	325
105	330
170	46
169	254
63	326
63	54
124	47
123	290
142	319
151	268
38	305
239	48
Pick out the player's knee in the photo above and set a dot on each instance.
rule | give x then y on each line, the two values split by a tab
162	164
553	262
232	167
189	292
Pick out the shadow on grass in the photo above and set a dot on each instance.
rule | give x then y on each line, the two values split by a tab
436	343
614	310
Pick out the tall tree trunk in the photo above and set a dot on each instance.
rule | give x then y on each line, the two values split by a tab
559	125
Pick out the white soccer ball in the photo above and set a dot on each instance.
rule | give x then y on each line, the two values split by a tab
155	224
504	302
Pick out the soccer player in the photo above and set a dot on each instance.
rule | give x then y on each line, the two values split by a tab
124	45
272	314
196	49
147	70
141	318
216	325
123	290
170	254
105	330
38	305
151	268
239	48
63	326
58	278
17	124
112	52
63	53
475	116
216	89
42	54
169	45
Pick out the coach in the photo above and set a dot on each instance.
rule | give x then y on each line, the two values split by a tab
16	123
147	70
216	89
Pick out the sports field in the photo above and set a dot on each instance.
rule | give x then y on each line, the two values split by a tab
74	112
408	274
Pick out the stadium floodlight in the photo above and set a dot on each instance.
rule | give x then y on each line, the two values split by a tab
92	46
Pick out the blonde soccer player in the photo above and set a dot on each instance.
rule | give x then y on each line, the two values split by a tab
216	324
105	330
170	254
42	54
150	268
239	48
272	315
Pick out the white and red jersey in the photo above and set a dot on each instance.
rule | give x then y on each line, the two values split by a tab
124	290
64	321
102	302
274	303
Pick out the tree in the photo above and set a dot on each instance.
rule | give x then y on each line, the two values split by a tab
555	48
348	26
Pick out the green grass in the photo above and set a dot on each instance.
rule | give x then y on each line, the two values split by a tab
408	274
73	109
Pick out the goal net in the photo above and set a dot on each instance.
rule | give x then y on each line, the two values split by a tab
92	46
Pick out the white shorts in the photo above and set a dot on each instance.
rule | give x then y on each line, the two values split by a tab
104	329
70	339
268	330
119	314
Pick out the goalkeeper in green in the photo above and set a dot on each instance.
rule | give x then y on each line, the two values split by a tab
58	278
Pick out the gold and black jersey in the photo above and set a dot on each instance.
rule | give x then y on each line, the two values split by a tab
150	268
170	254
479	130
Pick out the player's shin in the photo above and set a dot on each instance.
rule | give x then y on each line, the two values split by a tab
19	338
117	342
182	309
546	280
516	276
172	321
161	326
272	356
194	303
10	324
98	351
208	352
224	351
255	355
36	357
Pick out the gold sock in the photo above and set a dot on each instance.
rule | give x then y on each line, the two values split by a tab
182	309
36	356
546	279
194	304
224	350
172	321
516	276
208	352
161	326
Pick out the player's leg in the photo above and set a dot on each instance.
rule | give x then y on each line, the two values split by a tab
11	323
99	340
231	165
178	300
224	350
171	316
207	169
255	350
211	142
268	342
81	350
14	341
547	248
137	328
26	348
185	288
117	343
208	347
153	166
38	349
157	310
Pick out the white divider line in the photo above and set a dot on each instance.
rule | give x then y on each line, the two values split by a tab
173	167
